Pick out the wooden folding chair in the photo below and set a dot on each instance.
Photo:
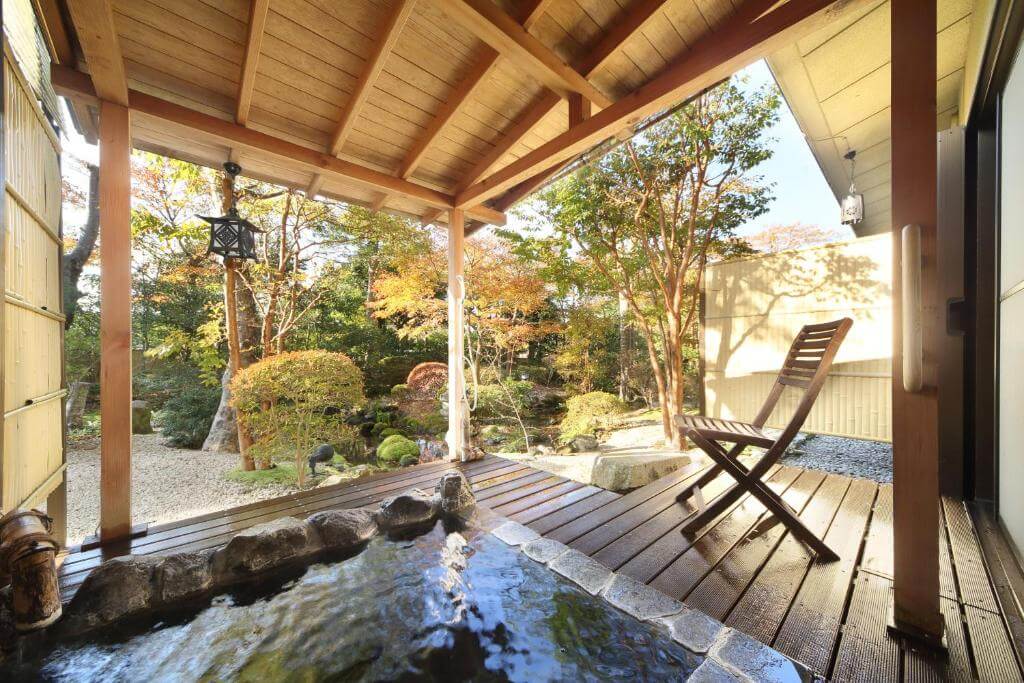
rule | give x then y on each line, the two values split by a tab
806	367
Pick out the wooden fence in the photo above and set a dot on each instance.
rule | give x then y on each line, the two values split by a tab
754	307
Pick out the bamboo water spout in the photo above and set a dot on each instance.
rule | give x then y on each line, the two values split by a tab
28	555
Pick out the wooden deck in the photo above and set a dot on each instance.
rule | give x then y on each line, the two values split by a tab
740	569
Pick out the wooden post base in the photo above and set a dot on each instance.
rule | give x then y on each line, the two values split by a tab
899	630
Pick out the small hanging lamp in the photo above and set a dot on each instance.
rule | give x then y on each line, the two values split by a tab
853	202
231	236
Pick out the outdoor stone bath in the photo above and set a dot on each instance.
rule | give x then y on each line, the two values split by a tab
427	586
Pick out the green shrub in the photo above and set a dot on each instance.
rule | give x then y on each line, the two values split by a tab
399	391
187	414
390	431
283	474
409	460
394	448
587	412
497	400
427	425
378	427
293	401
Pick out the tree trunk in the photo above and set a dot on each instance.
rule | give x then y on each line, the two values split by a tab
75	260
75	406
223	436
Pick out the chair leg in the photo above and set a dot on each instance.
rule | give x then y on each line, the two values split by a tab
704	479
746	480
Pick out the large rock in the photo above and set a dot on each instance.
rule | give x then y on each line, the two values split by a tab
142	418
118	588
630	471
584	443
454	493
406	509
185	576
266	546
343	529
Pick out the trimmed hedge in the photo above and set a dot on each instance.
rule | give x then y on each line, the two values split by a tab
587	412
392	449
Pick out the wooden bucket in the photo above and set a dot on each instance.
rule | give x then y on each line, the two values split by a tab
28	554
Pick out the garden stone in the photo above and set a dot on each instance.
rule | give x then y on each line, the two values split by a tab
266	546
514	533
406	509
584	443
118	588
142	418
694	630
454	493
588	574
639	599
343	529
753	660
185	575
544	549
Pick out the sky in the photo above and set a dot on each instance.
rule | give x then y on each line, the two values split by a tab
801	193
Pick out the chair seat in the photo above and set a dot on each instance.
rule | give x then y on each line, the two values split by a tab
731	431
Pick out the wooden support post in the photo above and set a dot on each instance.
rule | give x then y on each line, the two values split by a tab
915	413
457	417
115	322
579	109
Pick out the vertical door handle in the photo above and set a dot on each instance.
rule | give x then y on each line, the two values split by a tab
912	314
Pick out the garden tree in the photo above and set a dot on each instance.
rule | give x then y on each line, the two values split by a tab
504	295
290	402
650	215
589	344
776	238
85	242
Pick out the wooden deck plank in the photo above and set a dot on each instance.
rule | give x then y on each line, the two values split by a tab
765	603
864	638
810	630
572	530
719	590
680	577
563	488
1005	572
553	520
652	546
971	575
877	556
921	666
993	653
620	539
561	503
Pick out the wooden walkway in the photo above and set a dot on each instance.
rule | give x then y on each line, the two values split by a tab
741	569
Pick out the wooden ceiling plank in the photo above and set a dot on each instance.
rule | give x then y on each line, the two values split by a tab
253	44
388	36
94	25
632	20
69	82
503	33
737	42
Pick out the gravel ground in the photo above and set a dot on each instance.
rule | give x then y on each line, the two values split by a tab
841	455
167	484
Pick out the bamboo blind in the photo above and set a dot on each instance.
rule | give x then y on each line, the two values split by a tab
754	307
32	310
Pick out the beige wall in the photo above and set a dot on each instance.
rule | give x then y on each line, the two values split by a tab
33	452
1011	306
754	307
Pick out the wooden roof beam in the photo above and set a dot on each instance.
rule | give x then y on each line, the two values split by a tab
72	83
626	26
740	40
94	24
389	32
503	33
482	68
253	43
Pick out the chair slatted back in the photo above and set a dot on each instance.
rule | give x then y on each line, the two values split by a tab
806	367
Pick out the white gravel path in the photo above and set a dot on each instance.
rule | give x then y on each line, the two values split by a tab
167	484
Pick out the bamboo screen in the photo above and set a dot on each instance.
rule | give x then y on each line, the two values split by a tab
32	456
753	309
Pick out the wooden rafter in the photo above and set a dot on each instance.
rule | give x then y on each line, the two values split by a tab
632	20
503	33
253	43
94	24
388	33
738	42
69	82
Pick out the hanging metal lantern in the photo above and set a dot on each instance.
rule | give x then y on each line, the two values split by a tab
853	203
231	236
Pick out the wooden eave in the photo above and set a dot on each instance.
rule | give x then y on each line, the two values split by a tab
414	107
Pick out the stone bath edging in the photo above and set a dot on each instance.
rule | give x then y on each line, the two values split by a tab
730	655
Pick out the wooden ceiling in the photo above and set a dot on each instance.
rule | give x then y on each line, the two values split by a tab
410	106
